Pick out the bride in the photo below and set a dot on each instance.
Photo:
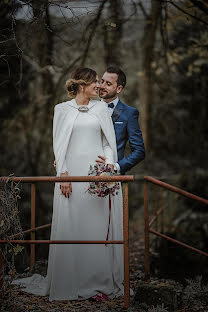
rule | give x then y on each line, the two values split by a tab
82	130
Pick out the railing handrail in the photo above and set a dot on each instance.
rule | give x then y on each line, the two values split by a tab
176	190
147	223
178	242
119	178
48	241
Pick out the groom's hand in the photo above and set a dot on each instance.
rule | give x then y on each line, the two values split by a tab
101	160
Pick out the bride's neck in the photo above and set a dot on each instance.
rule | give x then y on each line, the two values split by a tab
81	99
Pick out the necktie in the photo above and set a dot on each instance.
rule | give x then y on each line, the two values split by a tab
111	105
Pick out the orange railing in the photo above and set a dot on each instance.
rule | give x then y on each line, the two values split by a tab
159	210
33	229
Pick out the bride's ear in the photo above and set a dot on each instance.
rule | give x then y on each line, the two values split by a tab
81	88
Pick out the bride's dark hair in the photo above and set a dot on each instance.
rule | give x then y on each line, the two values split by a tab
80	76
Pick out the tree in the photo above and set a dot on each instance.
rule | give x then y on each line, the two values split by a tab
10	61
113	33
146	81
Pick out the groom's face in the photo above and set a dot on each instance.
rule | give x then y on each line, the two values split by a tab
109	88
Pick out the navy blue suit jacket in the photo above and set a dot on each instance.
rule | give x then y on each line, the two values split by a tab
126	125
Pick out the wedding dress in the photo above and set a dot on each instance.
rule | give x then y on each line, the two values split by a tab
77	272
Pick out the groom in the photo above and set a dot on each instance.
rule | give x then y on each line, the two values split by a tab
125	121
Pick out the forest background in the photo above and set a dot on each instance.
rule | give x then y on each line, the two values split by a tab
161	45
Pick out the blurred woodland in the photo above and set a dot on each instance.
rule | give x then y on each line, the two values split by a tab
161	45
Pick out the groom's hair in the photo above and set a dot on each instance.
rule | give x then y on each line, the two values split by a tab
121	81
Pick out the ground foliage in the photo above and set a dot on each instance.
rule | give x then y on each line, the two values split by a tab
193	294
10	226
196	293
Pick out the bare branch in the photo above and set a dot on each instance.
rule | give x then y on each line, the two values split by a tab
62	78
13	32
187	13
132	14
20	74
163	29
25	2
94	26
58	36
9	71
4	82
143	9
4	41
200	5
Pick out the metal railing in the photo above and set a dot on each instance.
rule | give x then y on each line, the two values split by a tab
158	210
33	229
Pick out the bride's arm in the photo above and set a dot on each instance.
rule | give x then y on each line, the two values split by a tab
65	187
108	152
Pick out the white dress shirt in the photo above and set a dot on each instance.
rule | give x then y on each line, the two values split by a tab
115	102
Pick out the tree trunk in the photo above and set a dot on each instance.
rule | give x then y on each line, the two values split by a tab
37	142
113	33
146	82
43	46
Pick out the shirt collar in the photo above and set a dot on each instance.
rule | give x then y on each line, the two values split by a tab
115	102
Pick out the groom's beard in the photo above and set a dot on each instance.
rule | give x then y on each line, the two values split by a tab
108	96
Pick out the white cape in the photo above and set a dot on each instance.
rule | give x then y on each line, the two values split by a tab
62	128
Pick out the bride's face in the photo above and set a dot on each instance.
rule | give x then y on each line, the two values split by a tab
92	90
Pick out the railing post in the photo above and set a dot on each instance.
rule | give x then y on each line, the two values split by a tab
126	245
146	234
162	213
155	210
1	275
32	235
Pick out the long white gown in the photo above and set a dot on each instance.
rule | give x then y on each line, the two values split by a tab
77	272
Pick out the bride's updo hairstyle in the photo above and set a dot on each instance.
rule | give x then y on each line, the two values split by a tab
80	76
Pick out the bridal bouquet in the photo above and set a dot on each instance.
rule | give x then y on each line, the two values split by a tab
102	189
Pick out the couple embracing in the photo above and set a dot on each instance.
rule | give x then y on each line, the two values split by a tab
86	131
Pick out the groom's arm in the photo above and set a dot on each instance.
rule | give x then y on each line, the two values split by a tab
135	141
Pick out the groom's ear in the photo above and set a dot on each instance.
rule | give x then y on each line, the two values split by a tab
119	89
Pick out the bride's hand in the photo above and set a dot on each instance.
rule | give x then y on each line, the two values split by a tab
66	187
101	160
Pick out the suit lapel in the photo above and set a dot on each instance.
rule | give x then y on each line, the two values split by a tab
117	111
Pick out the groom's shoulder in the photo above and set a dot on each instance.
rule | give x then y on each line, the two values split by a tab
128	108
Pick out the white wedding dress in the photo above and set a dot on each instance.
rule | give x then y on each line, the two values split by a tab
77	272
